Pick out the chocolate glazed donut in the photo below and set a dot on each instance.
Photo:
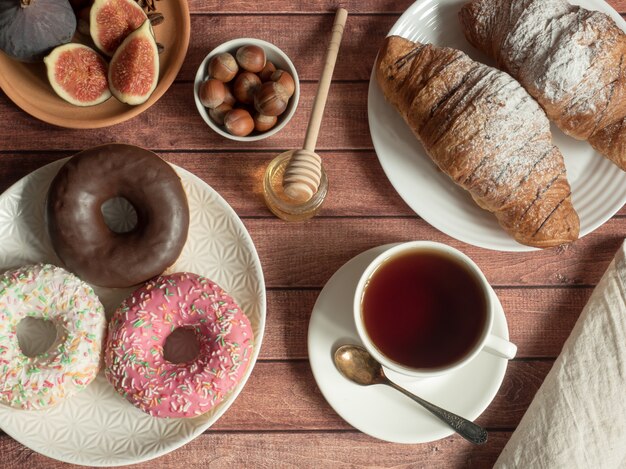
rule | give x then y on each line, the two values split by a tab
79	234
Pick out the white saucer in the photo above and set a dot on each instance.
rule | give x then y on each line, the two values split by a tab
378	410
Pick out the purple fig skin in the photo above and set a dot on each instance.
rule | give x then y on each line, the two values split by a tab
31	29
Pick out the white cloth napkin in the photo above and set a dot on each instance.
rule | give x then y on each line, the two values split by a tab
578	417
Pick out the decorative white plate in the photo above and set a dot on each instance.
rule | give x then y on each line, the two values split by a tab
598	186
378	410
98	427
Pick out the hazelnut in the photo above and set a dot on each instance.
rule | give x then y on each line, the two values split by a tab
263	123
239	122
212	93
223	67
267	71
251	58
271	99
229	98
285	79
219	112
246	85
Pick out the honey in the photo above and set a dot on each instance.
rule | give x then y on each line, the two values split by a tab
279	203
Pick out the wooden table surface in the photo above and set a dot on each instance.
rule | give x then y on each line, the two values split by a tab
281	419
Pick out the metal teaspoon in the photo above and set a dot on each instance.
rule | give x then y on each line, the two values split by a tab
356	364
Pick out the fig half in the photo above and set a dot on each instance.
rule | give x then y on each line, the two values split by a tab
78	74
111	21
134	68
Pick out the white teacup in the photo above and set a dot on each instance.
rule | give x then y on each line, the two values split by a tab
486	340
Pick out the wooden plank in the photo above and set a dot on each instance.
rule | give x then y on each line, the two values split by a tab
302	450
359	185
327	6
307	254
305	45
540	320
173	123
284	396
14	166
287	324
521	382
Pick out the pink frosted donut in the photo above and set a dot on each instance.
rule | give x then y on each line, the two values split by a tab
134	359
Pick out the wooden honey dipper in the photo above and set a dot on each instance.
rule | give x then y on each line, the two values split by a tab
303	173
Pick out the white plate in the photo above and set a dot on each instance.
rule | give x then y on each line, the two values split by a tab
379	410
598	186
98	427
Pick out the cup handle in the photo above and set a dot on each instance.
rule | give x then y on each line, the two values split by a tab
500	347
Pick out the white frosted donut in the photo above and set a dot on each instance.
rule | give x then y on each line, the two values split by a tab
73	360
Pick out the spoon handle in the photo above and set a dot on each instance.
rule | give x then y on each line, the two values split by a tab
468	430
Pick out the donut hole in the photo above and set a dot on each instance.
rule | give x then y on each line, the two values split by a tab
119	215
36	335
181	346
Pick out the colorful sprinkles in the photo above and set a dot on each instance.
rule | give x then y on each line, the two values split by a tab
134	361
72	362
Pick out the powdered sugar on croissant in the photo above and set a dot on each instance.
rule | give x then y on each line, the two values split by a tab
570	59
487	133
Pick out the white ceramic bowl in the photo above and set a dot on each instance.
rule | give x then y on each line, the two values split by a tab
274	55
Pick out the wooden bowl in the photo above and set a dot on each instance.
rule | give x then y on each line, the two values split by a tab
28	87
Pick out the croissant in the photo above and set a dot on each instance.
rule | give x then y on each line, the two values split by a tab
486	133
571	60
